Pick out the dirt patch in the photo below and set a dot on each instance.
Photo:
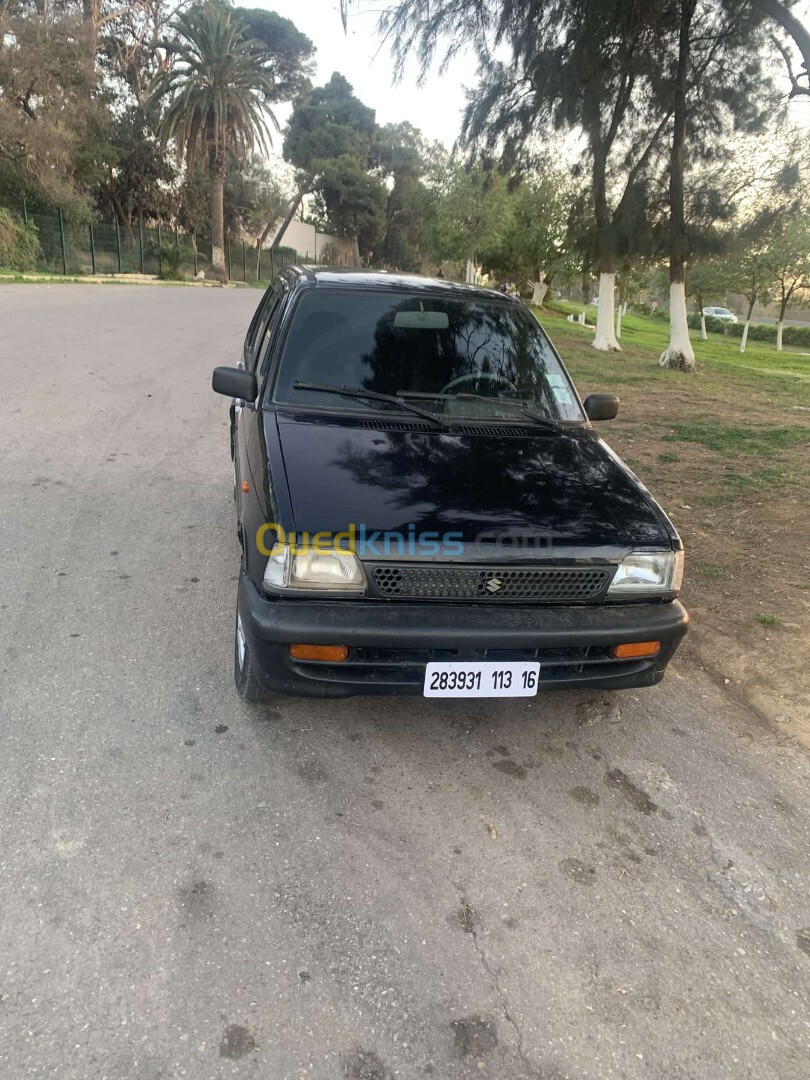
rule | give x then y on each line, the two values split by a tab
748	572
727	454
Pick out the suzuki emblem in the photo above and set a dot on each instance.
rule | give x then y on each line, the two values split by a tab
494	585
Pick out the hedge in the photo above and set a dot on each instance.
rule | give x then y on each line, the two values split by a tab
19	244
756	331
797	335
791	335
713	325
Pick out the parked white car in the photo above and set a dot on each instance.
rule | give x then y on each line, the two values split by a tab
720	313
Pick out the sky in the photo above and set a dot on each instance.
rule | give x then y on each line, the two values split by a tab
435	107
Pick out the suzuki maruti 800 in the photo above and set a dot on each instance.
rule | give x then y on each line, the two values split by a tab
425	507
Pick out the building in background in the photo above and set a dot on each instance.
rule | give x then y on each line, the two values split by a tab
317	247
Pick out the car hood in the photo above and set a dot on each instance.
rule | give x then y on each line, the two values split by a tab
568	488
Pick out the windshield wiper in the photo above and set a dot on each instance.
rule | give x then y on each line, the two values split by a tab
530	414
371	395
541	421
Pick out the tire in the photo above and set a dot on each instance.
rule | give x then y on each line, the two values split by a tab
247	685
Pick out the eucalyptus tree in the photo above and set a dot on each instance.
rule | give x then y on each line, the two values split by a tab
716	86
790	257
777	11
679	353
754	273
799	34
534	246
130	53
766	242
217	94
570	66
473	210
49	109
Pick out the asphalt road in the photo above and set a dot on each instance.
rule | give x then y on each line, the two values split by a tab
190	887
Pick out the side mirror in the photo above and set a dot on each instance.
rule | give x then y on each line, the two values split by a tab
235	383
601	406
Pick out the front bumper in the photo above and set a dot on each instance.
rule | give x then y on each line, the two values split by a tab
390	643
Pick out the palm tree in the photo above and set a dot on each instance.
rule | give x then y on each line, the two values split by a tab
217	93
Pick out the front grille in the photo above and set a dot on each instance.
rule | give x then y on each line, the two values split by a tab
548	584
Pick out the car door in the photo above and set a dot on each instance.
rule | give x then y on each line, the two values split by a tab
247	360
248	438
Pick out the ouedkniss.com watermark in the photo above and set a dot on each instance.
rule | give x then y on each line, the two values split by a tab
272	539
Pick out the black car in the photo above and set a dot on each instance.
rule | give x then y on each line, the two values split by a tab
424	506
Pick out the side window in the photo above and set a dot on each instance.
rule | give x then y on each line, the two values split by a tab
259	331
254	322
257	325
262	349
267	324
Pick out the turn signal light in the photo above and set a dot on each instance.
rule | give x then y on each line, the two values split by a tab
637	649
331	653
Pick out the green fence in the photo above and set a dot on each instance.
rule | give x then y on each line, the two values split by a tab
104	248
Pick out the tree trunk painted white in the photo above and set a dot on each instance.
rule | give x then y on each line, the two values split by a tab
779	328
469	272
703	335
624	308
744	338
539	290
619	320
679	356
605	336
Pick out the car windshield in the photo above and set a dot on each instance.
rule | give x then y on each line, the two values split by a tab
460	358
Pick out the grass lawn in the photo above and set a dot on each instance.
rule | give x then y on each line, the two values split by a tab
727	453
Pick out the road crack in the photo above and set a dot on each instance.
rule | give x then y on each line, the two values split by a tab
471	920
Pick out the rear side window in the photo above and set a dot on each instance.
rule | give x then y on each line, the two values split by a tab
261	320
254	322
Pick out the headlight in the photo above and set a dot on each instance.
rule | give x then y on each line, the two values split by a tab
648	573
314	571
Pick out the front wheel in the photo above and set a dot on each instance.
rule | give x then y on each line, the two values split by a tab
247	685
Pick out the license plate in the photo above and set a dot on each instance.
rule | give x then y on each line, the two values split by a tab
482	678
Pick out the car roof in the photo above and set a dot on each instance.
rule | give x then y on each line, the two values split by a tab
351	277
